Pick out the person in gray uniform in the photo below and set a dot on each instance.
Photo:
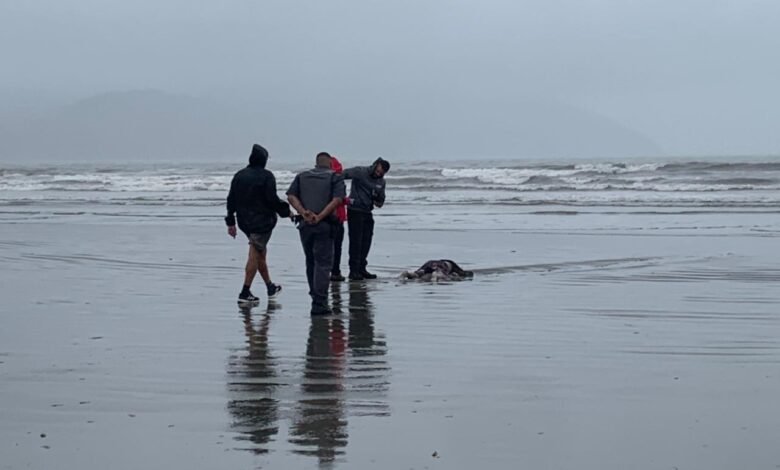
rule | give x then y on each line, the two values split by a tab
315	194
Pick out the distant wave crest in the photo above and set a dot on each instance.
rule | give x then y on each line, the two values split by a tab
691	183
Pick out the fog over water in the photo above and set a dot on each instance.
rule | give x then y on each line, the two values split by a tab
142	81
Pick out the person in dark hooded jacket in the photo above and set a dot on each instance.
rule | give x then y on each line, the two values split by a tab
253	200
367	192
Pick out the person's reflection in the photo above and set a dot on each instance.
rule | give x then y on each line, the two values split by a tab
345	373
320	426
252	384
335	301
368	366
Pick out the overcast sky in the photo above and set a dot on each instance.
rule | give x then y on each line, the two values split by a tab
696	76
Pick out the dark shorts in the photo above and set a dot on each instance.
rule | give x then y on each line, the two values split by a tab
259	240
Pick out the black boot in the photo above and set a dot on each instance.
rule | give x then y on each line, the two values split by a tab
367	275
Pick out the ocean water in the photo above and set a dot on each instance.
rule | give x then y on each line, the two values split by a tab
499	195
739	183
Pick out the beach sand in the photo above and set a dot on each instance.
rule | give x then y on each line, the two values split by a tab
582	342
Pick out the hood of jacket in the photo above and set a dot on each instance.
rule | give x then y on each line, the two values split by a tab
259	156
335	165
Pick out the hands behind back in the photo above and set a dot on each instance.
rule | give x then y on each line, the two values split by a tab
310	217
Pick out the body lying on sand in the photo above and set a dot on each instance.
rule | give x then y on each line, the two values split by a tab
438	270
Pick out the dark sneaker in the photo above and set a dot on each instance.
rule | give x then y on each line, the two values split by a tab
247	298
337	277
273	289
368	275
355	277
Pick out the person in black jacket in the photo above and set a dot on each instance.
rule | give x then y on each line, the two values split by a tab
254	200
368	191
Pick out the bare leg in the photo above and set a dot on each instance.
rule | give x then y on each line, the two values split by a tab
251	266
262	266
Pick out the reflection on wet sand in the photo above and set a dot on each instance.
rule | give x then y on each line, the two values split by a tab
368	366
345	372
252	385
320	425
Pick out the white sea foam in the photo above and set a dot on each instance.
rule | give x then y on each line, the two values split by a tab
123	182
683	183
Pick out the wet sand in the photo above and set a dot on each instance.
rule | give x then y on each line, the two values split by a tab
579	344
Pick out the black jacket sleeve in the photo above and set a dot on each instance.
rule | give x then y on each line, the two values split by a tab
230	220
353	172
272	199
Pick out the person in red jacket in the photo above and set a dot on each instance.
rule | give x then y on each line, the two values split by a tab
338	235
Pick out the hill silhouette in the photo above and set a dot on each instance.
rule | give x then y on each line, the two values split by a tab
148	125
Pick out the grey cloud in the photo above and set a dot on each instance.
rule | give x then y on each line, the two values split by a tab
688	77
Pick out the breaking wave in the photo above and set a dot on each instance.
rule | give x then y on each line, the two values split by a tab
685	183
